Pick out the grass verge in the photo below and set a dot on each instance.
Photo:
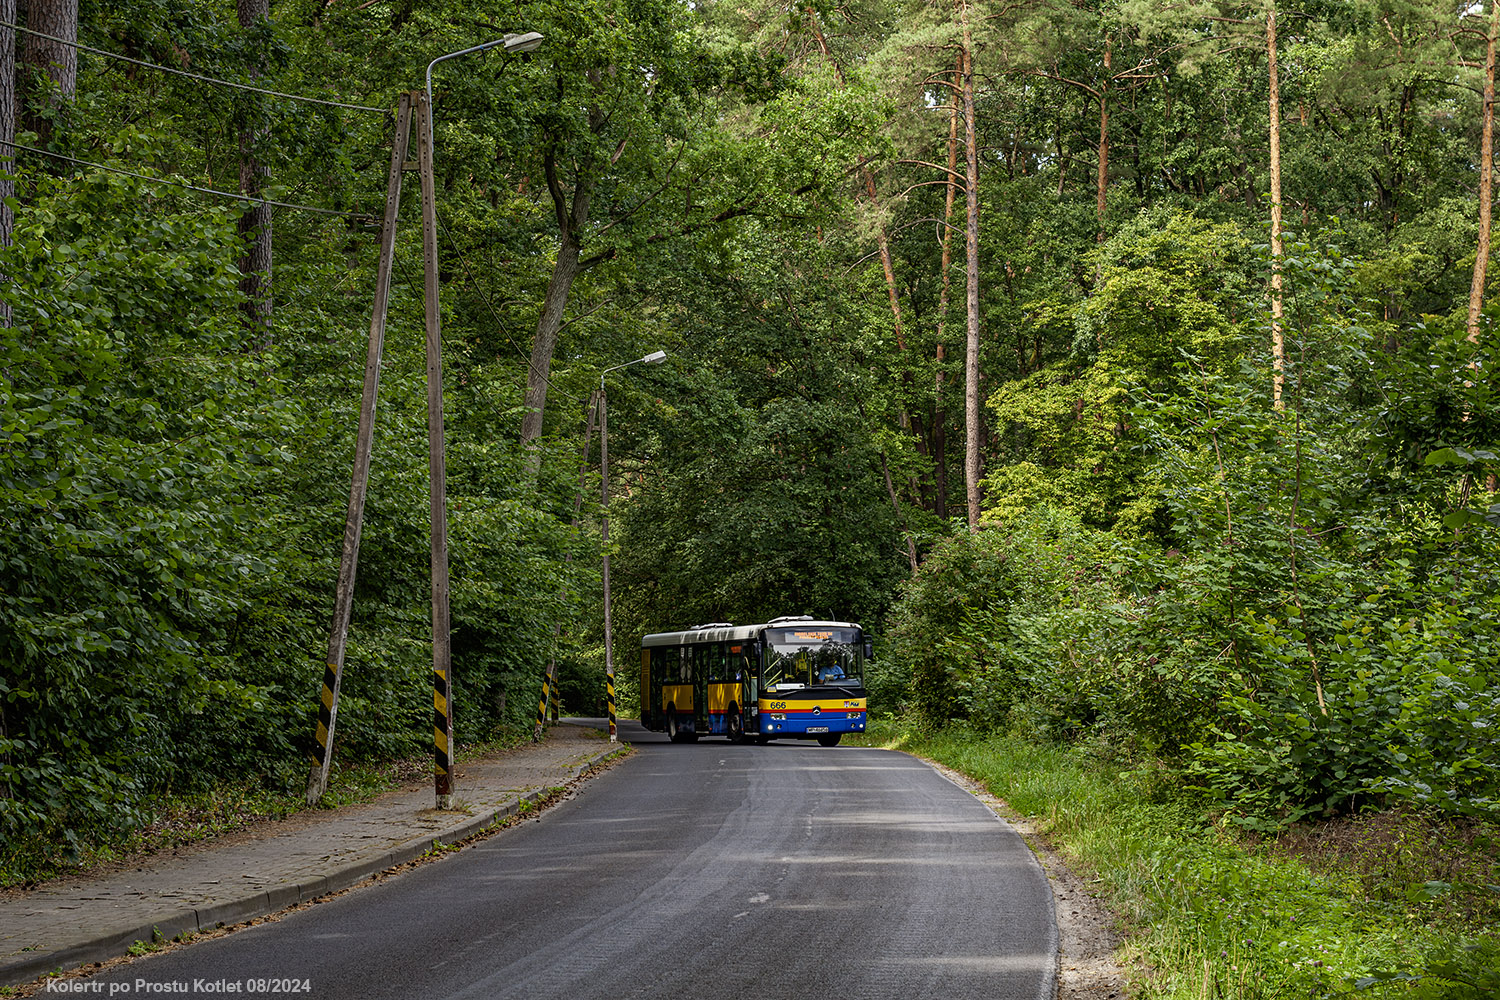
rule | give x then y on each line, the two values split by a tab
1210	914
178	819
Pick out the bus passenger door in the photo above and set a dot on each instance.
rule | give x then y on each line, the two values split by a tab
745	672
652	668
702	657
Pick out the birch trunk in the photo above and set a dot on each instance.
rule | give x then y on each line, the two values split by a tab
971	248
940	415
1278	336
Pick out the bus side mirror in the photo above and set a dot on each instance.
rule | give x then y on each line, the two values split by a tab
869	650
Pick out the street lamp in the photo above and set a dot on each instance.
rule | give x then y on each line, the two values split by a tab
654	358
442	648
512	42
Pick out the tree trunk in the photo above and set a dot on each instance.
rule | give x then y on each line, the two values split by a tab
971	248
883	244
548	327
1278	337
940	415
911	543
255	223
1486	177
7	136
571	221
1102	183
54	61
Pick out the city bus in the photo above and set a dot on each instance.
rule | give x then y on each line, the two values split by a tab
789	678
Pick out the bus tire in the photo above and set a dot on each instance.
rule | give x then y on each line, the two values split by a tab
673	733
829	739
734	727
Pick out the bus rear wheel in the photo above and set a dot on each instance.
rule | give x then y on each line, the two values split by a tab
673	733
829	740
735	726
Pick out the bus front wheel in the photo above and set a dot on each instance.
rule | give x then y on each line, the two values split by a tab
829	740
673	733
735	727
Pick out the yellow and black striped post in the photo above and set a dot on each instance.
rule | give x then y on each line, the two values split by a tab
442	738
328	707
541	706
609	690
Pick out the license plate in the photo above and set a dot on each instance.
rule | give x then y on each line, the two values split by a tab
817	729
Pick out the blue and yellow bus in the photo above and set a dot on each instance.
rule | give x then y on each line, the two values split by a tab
789	678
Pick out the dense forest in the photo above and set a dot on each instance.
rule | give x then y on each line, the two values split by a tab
1123	366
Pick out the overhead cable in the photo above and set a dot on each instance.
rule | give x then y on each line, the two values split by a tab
474	285
191	187
191	76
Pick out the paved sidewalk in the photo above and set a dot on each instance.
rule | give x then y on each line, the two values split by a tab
71	921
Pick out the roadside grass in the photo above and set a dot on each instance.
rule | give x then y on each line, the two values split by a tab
1382	906
178	819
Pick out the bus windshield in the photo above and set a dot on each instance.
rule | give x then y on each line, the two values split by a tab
797	658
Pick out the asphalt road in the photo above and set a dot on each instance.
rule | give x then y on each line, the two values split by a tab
779	871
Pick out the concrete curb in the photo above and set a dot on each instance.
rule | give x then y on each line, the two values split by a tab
113	943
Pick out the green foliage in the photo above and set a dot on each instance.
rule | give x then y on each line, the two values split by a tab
1456	972
1168	284
1286	607
972	635
765	495
137	427
1290	611
1212	914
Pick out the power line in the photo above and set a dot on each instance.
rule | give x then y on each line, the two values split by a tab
191	76
474	285
190	187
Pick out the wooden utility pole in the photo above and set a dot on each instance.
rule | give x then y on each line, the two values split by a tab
550	694
343	601
442	698
442	658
